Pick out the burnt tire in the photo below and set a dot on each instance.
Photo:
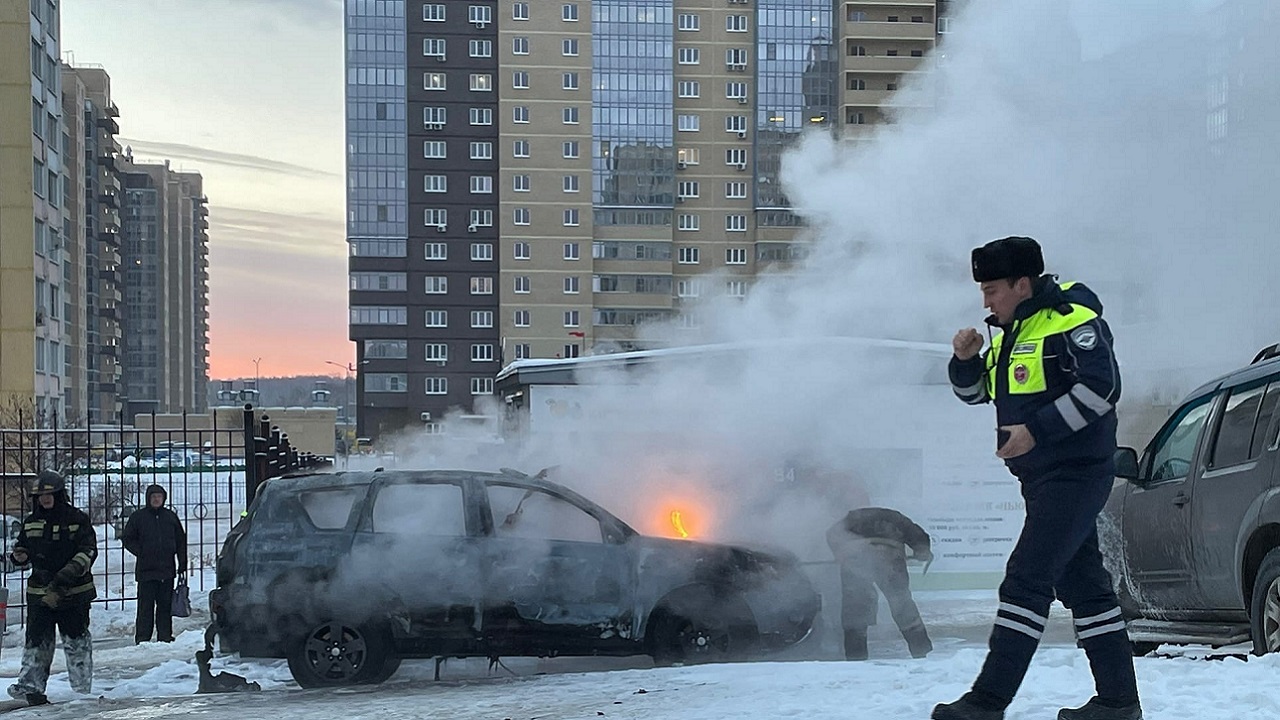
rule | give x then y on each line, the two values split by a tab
1264	606
337	654
702	630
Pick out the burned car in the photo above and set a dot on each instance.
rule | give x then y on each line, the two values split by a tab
345	574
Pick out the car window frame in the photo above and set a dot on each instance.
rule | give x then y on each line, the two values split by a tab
610	533
466	485
1213	399
1225	394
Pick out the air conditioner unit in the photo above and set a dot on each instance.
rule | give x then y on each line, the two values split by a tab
440	58
742	101
682	165
441	228
740	166
742	134
471	228
425	417
679	198
480	24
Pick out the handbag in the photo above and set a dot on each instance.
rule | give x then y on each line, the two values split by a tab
181	598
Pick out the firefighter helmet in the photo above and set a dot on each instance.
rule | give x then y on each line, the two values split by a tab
47	482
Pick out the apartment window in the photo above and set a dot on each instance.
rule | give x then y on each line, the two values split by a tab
520	11
521	318
520	114
386	349
481	318
689	22
436	251
891	53
944	25
435	149
435	183
736	288
571	351
433	118
482	252
435	217
571	318
570	149
481	151
520	80
520	250
481	116
433	47
437	352
481	82
481	286
570	183
571	217
519	46
520	216
688	123
520	148
735	256
735	58
569	116
482	352
437	386
735	223
571	251
522	351
687	189
688	222
520	183
569	47
386	382
437	319
569	81
37	177
688	288
857	84
480	15
481	218
434	81
569	12
436	285
433	12
855	118
917	53
688	156
377	315
735	156
689	56
521	284
372	281
689	256
735	123
735	90
735	23
571	285
735	190
688	89
893	18
481	185
480	48
481	386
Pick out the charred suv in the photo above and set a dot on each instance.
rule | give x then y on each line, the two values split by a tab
345	574
1193	530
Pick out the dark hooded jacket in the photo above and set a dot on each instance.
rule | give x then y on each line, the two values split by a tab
156	537
881	524
1073	419
61	547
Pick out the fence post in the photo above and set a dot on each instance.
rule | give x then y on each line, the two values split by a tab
250	457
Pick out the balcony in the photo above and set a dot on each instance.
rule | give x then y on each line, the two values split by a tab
109	310
112	110
108	123
886	64
890	30
867	98
109	198
110	237
107	158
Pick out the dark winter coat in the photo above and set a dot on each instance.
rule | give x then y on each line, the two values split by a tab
61	547
156	537
882	524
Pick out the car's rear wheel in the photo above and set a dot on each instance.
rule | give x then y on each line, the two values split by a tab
702	630
337	653
1264	610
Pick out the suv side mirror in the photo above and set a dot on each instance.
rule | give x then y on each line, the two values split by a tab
1127	463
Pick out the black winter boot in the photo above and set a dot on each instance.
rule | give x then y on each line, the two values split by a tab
37	699
855	644
970	706
918	642
1096	710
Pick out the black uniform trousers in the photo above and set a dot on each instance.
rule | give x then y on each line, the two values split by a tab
155	610
1057	556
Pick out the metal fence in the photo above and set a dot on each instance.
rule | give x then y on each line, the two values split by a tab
210	474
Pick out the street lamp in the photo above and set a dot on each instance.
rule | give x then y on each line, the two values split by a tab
346	404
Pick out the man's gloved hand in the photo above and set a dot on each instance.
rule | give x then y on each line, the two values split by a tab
66	575
51	599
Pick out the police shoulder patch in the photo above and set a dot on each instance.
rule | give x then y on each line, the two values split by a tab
1085	337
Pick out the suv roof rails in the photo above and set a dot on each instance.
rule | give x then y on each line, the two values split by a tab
540	475
1266	353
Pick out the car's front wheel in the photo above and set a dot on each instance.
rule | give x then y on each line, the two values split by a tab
700	630
1264	610
337	653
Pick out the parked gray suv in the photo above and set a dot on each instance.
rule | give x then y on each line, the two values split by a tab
1192	530
345	574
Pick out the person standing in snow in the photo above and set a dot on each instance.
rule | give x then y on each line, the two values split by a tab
871	546
1052	374
155	536
59	545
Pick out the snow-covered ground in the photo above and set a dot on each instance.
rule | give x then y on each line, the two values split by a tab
159	680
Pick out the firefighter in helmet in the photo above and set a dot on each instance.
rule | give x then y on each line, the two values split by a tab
59	545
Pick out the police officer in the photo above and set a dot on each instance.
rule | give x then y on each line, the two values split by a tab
870	545
1052	375
59	545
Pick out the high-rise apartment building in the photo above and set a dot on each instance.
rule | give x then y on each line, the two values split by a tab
34	219
537	179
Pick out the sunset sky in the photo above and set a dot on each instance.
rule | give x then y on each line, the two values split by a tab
250	94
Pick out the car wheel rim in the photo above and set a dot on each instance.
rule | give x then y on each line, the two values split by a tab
700	640
1271	617
336	651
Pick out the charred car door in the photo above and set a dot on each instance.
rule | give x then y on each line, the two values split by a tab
1157	518
557	577
416	558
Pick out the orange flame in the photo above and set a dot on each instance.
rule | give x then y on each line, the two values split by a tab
678	523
